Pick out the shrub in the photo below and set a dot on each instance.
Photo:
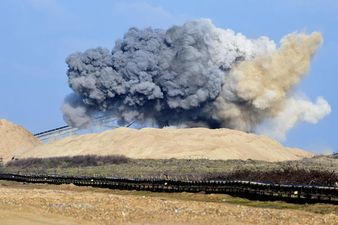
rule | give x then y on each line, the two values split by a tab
64	162
287	175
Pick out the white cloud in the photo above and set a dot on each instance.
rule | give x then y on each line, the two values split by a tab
297	109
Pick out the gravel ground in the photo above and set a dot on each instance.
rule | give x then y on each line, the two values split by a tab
68	204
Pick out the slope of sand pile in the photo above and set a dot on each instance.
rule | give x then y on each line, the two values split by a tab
14	140
171	143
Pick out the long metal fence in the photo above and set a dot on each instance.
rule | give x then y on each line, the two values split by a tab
99	124
253	190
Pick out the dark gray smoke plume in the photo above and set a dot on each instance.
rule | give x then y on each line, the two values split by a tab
189	75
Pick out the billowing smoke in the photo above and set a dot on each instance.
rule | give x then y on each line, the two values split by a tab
294	109
194	75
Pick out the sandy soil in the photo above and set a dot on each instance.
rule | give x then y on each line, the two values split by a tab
171	143
14	140
64	204
13	217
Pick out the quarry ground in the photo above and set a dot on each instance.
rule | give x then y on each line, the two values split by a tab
67	204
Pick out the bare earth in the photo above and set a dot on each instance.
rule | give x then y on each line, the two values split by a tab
14	140
171	143
33	217
67	204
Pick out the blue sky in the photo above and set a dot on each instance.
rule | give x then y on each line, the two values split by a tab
37	36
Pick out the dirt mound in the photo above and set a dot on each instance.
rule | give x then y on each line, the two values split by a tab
171	143
14	140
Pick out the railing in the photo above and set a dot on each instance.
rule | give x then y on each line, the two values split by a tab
98	124
253	190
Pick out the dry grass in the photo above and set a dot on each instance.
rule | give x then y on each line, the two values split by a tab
320	170
68	162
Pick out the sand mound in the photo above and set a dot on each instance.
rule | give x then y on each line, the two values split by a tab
14	140
171	143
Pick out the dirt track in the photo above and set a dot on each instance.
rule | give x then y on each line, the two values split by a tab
67	204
